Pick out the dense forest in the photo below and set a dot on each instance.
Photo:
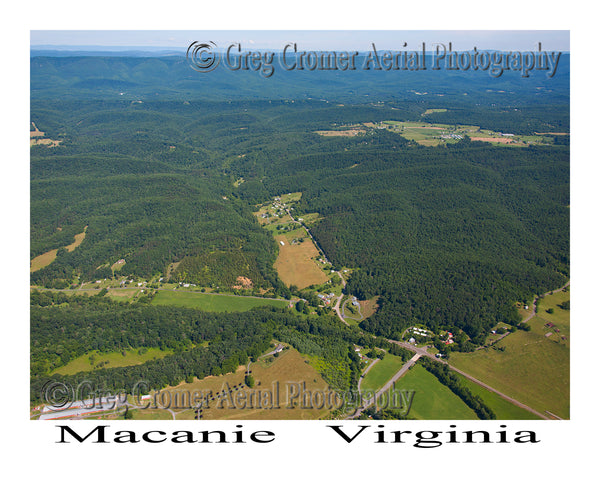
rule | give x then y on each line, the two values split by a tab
165	172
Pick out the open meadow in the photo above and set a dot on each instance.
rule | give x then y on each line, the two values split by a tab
381	372
95	359
432	400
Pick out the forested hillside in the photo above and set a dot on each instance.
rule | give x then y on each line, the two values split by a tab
165	179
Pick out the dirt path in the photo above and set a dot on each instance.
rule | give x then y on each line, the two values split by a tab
534	309
365	372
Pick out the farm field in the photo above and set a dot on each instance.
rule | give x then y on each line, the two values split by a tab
290	368
432	400
433	134
296	263
532	369
214	302
381	372
110	360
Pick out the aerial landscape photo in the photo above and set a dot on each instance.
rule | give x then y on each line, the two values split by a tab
300	226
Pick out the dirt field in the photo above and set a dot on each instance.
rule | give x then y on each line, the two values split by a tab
36	132
34	140
295	263
43	141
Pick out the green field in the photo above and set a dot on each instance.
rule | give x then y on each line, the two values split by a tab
503	409
532	369
432	400
559	317
112	359
383	371
214	302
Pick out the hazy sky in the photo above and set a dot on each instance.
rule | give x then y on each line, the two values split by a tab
310	39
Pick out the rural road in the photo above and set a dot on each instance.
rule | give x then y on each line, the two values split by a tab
336	307
365	372
423	352
534	309
386	387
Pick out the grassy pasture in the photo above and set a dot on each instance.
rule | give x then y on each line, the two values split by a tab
291	197
114	359
434	110
213	302
503	409
559	317
533	369
381	372
368	307
432	400
43	260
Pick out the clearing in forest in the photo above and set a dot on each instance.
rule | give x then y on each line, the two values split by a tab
296	264
47	258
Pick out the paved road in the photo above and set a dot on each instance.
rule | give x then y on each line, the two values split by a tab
423	352
387	386
336	307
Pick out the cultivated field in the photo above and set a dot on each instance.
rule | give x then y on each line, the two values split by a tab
432	400
296	264
213	302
